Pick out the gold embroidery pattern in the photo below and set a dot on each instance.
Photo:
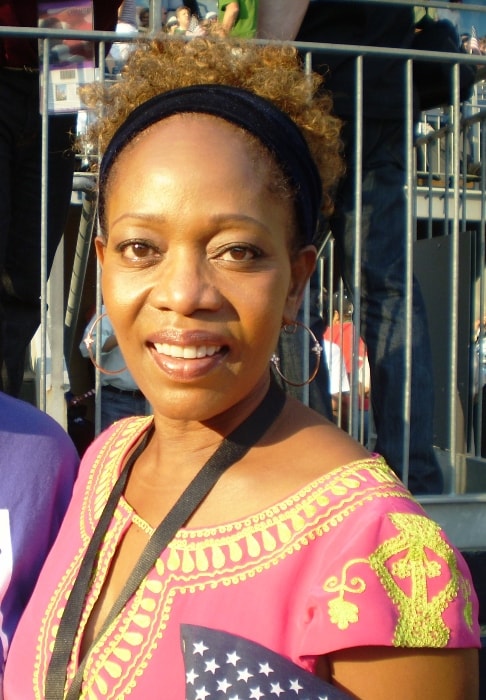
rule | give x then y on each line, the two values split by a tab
466	590
418	557
106	469
55	609
49	625
115	663
343	612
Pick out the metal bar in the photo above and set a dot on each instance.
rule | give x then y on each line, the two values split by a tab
408	243
358	234
44	205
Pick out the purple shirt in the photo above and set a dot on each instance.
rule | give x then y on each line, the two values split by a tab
38	466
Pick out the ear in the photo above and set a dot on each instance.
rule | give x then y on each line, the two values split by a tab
100	246
302	264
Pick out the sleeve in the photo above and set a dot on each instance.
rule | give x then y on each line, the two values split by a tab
393	579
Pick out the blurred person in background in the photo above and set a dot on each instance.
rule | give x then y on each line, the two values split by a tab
20	183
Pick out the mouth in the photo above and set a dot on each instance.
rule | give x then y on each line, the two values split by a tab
187	352
188	362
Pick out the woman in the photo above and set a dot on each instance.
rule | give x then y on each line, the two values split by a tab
306	559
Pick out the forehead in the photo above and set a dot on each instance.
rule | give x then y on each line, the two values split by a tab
196	162
192	132
188	153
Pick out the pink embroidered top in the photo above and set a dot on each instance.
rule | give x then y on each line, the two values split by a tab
304	577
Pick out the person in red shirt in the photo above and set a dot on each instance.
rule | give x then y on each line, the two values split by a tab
342	332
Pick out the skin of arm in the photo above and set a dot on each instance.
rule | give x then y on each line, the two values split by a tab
230	16
280	20
381	673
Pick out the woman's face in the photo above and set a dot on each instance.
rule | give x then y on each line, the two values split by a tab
197	271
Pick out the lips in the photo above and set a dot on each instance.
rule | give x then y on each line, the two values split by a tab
187	352
186	362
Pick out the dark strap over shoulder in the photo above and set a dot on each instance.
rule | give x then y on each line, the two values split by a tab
231	450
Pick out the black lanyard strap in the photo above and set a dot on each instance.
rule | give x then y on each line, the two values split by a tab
231	450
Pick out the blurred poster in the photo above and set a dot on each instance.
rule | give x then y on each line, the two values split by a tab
70	61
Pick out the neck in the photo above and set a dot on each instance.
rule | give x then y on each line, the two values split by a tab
181	447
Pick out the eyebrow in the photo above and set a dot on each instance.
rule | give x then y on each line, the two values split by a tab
215	219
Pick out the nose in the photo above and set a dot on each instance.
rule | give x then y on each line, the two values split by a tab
186	283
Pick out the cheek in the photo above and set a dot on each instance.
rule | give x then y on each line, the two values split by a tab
123	297
265	304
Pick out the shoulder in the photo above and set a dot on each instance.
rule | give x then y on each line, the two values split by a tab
12	409
371	546
23	423
108	451
317	445
300	449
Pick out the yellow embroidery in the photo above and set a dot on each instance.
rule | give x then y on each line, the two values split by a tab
341	612
235	552
466	590
408	579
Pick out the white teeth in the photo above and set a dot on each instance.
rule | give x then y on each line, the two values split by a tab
189	352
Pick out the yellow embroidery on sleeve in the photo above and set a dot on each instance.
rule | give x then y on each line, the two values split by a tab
408	579
466	590
342	612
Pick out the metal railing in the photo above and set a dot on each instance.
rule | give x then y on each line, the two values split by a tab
445	229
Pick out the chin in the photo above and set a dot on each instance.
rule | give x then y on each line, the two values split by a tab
202	405
190	404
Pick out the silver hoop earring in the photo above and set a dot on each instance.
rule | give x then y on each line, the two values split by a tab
316	348
89	342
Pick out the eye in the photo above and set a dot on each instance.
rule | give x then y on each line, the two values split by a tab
138	250
239	253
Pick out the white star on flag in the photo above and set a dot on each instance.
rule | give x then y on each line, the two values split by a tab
219	663
211	666
244	675
223	685
199	648
265	668
191	676
295	686
232	658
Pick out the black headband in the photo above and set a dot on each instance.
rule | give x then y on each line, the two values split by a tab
254	114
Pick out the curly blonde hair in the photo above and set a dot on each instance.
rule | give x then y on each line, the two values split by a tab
272	71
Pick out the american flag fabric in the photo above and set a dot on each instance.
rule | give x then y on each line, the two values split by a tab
223	666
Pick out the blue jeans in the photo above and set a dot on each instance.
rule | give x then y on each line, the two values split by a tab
20	213
115	406
383	300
